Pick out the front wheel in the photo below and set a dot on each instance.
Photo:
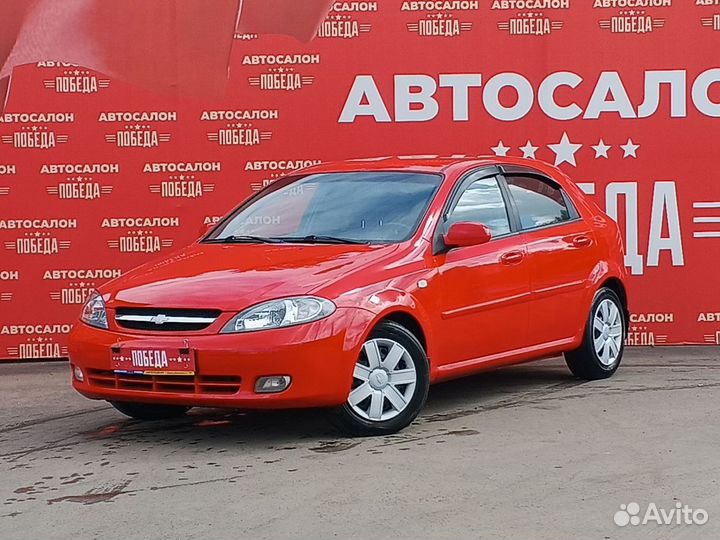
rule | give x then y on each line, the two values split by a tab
390	383
602	348
145	411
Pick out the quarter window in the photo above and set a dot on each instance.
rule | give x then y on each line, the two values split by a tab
539	203
482	202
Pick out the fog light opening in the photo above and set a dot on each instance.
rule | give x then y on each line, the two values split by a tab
78	374
272	384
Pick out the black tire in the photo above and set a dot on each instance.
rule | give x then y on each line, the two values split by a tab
349	422
585	362
145	411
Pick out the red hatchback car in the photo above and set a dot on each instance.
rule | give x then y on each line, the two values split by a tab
354	286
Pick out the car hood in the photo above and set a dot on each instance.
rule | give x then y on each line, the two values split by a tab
234	277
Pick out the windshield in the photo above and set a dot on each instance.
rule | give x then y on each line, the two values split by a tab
362	207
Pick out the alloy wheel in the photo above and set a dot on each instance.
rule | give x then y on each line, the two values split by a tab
607	332
384	380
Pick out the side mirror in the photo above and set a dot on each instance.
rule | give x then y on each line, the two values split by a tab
466	234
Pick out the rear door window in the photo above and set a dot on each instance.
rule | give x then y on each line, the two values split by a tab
539	203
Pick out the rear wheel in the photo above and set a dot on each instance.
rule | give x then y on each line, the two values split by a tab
390	383
602	348
145	411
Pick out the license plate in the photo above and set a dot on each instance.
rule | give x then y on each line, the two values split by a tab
153	361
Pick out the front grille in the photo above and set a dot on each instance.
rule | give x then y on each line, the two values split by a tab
165	320
199	384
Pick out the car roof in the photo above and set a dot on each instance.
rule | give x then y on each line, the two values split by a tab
426	163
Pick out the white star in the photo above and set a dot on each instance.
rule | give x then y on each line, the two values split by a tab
565	151
601	150
529	150
500	150
630	149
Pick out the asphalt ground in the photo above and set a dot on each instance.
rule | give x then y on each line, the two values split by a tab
526	452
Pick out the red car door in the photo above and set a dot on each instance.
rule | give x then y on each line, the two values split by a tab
561	256
484	288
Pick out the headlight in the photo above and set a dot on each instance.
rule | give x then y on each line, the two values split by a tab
280	313
93	312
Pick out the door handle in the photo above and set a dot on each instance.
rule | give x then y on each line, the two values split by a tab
512	257
582	241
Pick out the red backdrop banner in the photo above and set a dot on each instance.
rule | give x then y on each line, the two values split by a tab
102	170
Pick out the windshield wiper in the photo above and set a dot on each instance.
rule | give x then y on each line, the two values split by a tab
318	239
245	239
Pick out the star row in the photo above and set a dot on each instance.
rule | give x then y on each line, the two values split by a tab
565	150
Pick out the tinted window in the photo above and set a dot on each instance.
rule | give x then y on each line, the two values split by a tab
482	202
363	206
539	203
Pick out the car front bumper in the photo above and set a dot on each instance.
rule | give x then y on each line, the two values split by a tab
319	357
